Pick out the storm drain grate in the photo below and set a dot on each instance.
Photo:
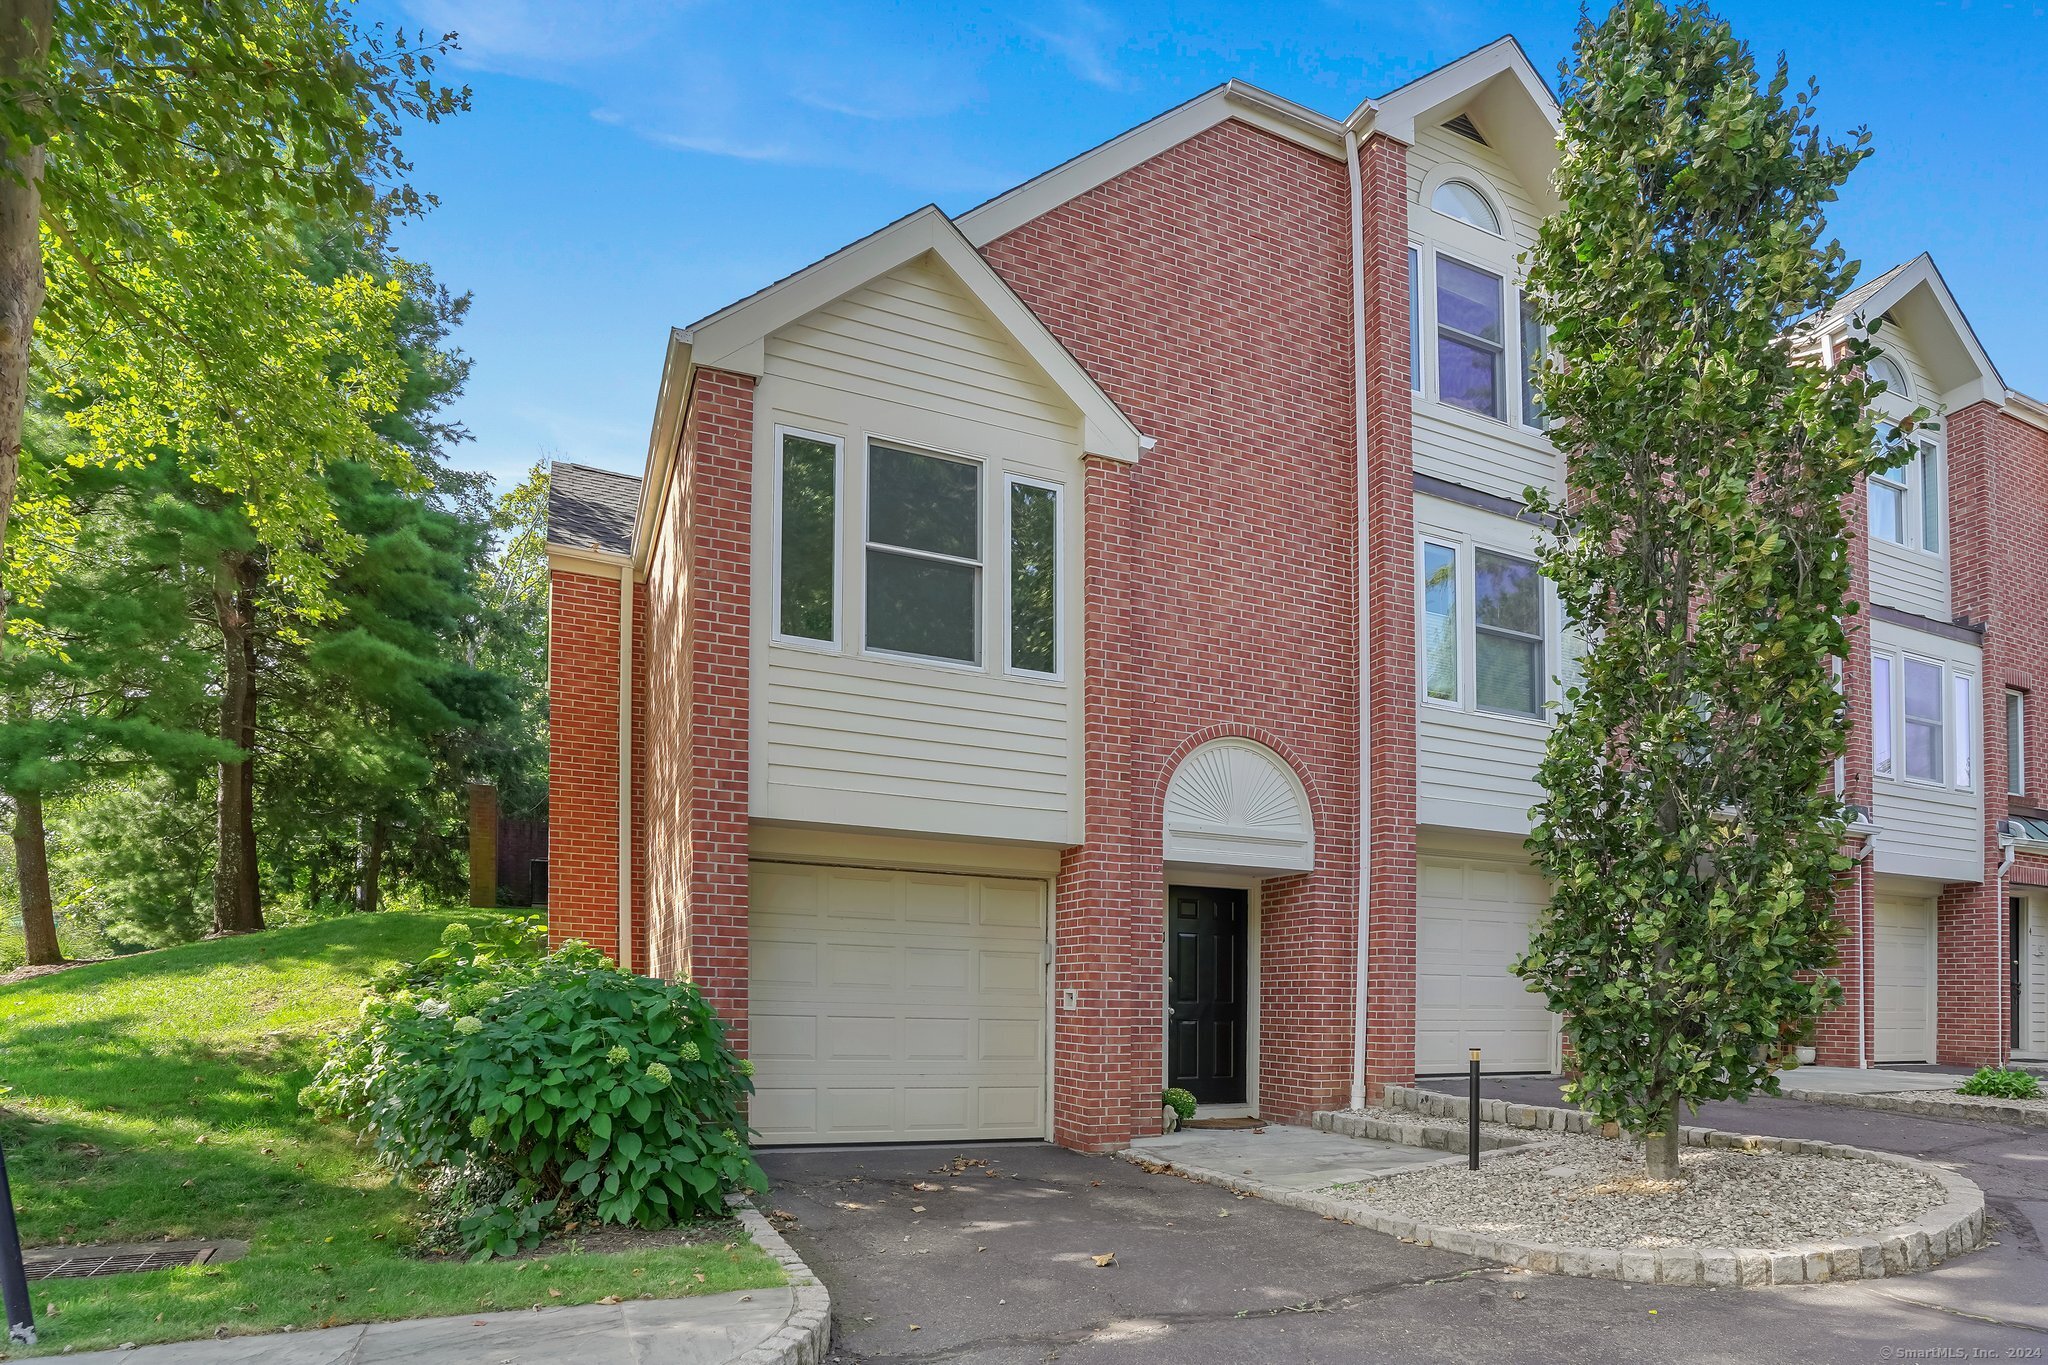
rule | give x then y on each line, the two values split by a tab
86	1264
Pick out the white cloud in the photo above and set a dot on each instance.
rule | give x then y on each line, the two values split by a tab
1086	39
540	35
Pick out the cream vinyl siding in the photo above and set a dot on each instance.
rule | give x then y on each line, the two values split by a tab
1901	576
1476	770
1930	830
1502	458
845	738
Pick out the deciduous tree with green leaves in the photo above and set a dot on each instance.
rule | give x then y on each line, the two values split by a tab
1690	826
158	159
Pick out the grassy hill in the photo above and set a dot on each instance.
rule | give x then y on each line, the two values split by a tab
155	1097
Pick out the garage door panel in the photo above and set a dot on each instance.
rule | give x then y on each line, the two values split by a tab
1473	919
1905	1004
907	1007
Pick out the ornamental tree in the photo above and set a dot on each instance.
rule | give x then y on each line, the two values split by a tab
1690	828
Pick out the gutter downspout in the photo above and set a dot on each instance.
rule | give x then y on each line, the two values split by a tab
1863	930
626	767
1360	1005
2008	844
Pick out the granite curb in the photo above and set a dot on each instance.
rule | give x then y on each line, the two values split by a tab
806	1334
1925	1108
1946	1231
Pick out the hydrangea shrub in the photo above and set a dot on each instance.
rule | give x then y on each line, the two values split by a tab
598	1092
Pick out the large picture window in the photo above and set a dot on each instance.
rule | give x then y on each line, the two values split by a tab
1923	715
923	555
807	538
1471	344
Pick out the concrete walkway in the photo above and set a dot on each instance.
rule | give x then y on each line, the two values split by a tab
1292	1158
699	1331
1877	1080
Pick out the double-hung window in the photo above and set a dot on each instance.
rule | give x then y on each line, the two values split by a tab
923	555
1502	630
807	538
1923	717
1471	341
1507	653
2015	744
1906	506
1923	714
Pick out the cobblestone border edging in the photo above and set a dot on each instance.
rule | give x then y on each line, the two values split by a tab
1441	1136
806	1334
1926	1108
1951	1228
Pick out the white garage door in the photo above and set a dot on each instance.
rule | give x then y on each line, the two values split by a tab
896	1006
1905	980
1473	918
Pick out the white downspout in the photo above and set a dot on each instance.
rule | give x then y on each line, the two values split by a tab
1360	1006
626	766
2005	951
1863	932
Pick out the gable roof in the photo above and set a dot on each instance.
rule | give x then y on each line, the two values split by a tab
1496	84
591	509
1916	298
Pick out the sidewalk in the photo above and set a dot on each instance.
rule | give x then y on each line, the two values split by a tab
700	1331
1877	1080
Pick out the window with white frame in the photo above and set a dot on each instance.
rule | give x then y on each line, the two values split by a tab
1882	369
1535	346
1440	622
923	555
1415	319
1923	721
1464	202
807	537
1906	502
2015	743
1503	632
1471	338
1881	713
1507	655
1033	515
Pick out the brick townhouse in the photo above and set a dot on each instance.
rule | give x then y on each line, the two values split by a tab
1092	643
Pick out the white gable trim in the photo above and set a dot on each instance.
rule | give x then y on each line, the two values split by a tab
1499	86
1968	375
1234	99
732	339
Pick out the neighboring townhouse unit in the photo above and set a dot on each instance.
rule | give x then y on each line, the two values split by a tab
1026	620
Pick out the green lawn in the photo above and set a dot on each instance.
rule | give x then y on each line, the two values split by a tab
156	1096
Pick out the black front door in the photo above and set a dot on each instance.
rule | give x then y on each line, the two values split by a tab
1206	957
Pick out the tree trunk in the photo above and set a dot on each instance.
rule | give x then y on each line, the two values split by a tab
24	48
237	907
370	867
1660	1149
32	874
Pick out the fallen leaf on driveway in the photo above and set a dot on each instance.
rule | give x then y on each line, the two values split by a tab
1108	1258
926	1186
915	1328
848	1204
1223	1213
917	1208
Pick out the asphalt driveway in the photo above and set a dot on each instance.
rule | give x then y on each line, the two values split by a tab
985	1253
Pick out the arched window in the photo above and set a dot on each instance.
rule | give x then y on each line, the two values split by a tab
1883	368
1456	199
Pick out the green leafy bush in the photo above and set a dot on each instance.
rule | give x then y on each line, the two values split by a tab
524	1088
1180	1102
2002	1082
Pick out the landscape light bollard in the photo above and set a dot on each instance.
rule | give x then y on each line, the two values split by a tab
1472	1115
21	1319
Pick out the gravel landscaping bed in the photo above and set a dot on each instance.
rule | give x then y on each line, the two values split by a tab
1572	1190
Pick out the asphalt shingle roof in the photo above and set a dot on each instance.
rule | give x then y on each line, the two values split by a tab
591	509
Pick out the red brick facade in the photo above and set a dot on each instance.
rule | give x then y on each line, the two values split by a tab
1208	291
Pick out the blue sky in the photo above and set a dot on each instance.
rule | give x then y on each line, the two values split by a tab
631	165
